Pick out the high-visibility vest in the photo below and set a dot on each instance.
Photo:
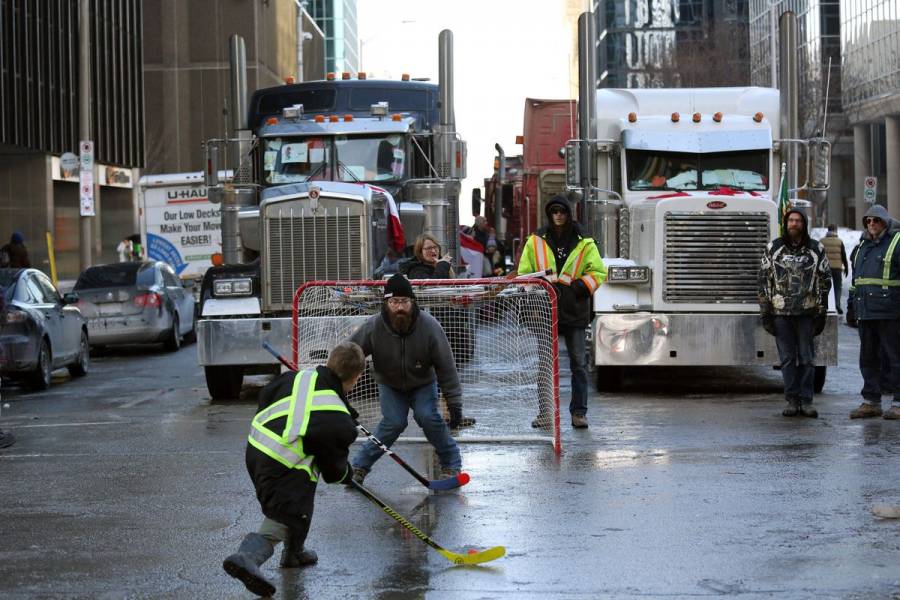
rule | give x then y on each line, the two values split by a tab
286	447
585	252
885	281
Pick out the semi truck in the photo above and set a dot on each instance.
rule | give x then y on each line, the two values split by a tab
317	167
680	188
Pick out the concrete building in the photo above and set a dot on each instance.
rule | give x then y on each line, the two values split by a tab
870	48
186	68
39	121
337	19
671	43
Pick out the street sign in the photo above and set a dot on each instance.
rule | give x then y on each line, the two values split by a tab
86	178
870	189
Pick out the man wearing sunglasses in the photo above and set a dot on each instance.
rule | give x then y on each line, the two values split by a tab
577	272
876	297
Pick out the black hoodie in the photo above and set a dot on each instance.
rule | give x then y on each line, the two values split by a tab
794	279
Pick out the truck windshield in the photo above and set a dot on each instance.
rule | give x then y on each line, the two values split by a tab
293	160
658	170
342	158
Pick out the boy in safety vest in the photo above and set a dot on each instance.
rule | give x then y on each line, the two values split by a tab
578	271
303	431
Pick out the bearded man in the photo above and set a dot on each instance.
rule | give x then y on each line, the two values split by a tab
410	354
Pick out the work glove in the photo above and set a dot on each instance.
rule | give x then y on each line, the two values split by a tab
819	322
768	322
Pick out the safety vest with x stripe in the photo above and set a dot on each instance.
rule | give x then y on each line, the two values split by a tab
286	446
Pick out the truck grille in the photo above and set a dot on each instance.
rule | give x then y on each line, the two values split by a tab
713	258
304	246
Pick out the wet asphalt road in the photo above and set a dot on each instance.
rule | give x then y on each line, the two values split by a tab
131	483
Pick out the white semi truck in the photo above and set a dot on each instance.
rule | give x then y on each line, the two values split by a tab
681	189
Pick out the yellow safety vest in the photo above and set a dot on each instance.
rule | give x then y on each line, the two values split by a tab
583	263
287	447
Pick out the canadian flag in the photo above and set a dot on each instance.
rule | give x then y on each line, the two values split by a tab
396	237
472	253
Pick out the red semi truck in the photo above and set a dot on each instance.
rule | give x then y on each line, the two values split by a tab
529	180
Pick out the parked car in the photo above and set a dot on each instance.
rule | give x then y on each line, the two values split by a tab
135	303
39	330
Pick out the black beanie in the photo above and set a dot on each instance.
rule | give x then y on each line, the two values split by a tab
398	287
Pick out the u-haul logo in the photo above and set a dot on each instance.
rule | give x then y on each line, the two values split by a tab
716	204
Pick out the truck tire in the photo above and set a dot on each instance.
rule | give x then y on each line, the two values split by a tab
819	380
609	379
224	382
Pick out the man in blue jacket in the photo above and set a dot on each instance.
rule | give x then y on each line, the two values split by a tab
876	294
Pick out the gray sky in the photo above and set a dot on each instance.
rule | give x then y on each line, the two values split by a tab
504	51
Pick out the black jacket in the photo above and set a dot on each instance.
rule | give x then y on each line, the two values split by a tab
286	495
417	269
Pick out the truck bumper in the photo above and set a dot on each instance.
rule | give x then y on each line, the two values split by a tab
694	339
239	341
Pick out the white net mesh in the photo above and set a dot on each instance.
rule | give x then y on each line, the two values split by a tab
503	338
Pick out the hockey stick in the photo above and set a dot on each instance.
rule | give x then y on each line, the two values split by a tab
437	484
433	484
472	558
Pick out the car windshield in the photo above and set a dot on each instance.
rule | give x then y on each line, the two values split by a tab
658	170
339	158
126	274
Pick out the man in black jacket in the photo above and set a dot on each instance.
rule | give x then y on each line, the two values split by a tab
794	283
303	431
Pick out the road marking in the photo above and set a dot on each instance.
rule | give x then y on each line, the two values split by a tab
73	424
95	455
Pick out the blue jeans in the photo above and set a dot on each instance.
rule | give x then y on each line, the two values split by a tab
575	342
395	405
879	358
794	338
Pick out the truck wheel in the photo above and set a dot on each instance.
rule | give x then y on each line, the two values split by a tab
224	382
819	381
609	379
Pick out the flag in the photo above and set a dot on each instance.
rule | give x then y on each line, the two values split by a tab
784	203
472	253
396	236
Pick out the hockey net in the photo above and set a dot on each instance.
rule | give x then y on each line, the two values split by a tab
502	333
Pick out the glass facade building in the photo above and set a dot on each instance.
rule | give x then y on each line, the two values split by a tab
337	19
870	37
672	43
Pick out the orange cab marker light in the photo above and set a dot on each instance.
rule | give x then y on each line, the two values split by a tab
348	118
395	117
217	259
717	117
333	119
289	80
520	139
404	77
272	121
758	117
675	117
361	75
320	118
345	75
696	117
632	117
330	77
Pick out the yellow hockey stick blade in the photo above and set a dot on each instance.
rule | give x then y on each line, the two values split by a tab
475	558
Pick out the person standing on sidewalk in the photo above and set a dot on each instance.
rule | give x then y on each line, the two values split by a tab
577	272
876	294
837	258
794	283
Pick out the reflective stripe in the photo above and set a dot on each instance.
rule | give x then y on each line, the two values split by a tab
886	273
577	264
274	411
304	383
590	282
885	281
287	456
881	282
539	247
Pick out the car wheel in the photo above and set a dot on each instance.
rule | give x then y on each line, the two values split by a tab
43	371
83	364
173	342
224	382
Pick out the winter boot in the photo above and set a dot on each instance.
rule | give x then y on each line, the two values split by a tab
291	558
579	422
893	412
793	408
807	410
866	410
244	565
359	474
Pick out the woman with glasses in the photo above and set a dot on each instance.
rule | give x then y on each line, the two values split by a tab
427	262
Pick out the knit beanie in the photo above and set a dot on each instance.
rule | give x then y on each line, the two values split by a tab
398	287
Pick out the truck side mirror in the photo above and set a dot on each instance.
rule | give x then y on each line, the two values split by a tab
476	202
573	164
820	159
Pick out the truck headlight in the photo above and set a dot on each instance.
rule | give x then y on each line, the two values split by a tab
233	287
628	275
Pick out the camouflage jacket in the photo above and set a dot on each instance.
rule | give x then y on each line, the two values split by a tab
794	280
